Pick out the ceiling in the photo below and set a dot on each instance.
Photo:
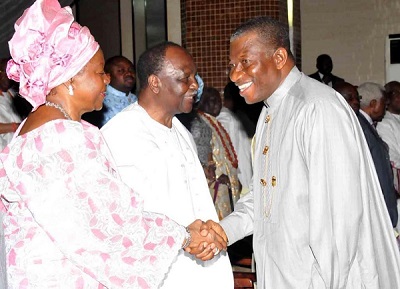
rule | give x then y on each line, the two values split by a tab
10	11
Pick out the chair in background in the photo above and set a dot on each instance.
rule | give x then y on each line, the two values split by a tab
244	280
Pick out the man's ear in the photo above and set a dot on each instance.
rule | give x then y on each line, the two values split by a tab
154	83
373	103
280	57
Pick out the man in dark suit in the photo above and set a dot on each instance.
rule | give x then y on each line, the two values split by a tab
324	73
372	110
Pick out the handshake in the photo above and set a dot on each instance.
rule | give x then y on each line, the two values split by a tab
207	239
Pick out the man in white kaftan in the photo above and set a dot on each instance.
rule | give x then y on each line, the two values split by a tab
159	160
316	209
162	165
325	210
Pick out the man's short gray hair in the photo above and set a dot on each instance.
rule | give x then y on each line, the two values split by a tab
369	91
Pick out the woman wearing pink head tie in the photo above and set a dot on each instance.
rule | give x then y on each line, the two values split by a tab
69	222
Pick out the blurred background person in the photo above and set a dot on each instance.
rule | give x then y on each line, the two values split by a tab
350	94
220	191
119	92
373	106
241	142
324	73
224	154
9	118
373	103
389	129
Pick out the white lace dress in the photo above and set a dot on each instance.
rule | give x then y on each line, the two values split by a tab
69	221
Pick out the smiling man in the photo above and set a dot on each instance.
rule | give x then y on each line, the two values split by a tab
316	209
155	154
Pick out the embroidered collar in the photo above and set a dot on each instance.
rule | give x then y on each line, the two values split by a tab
276	98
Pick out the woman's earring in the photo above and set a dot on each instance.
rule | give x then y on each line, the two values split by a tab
70	90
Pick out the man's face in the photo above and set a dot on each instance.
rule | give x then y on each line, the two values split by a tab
325	65
394	102
253	68
178	87
123	76
350	94
211	102
379	110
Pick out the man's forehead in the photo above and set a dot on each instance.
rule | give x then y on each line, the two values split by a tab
246	42
123	62
178	62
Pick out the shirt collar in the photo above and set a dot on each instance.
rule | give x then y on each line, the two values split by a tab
397	116
276	98
367	117
114	91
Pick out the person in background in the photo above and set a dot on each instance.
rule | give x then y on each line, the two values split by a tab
157	157
119	91
316	209
68	219
224	153
350	94
247	113
220	188
389	129
9	118
373	102
324	73
238	135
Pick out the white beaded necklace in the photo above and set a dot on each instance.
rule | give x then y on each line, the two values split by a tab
59	107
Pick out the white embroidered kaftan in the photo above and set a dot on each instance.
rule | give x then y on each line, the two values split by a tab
162	164
316	209
70	222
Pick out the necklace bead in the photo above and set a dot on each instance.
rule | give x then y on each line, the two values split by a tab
59	107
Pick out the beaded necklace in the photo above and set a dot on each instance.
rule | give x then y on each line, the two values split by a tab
60	108
230	152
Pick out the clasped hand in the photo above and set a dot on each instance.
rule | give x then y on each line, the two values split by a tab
205	243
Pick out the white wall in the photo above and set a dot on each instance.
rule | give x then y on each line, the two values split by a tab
126	29
352	32
174	21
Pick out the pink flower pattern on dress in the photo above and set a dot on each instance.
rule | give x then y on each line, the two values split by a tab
70	222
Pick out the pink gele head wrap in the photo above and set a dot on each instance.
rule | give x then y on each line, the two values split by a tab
48	48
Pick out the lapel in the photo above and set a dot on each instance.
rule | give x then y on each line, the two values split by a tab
372	130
